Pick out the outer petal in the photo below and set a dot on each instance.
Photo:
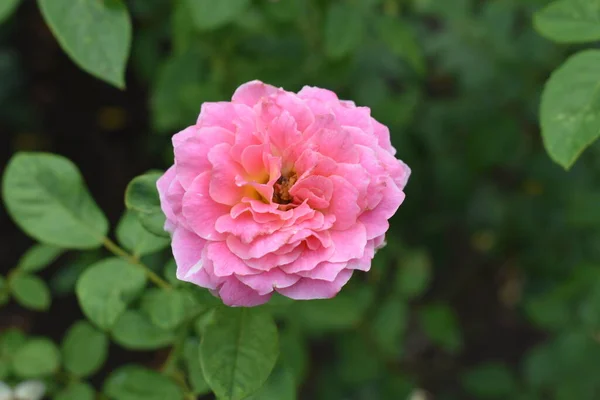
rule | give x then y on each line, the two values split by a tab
349	244
325	271
265	282
162	185
235	294
308	289
200	211
191	153
252	92
225	263
188	251
376	220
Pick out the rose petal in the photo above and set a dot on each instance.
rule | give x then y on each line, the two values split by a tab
235	294
225	263
201	211
252	92
162	185
265	282
307	289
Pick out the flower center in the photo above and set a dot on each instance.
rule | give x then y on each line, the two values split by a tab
281	192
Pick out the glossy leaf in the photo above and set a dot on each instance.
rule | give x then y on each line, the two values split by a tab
208	14
105	289
133	330
569	21
84	349
570	108
191	356
30	291
95	34
441	326
4	291
344	29
36	358
133	382
38	257
141	197
280	386
490	381
400	39
135	238
238	351
166	308
7	7
388	325
45	195
76	391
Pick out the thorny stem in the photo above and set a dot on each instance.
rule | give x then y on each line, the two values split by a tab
118	251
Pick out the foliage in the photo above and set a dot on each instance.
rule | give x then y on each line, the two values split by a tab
495	243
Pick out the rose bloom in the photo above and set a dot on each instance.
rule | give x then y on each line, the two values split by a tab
277	191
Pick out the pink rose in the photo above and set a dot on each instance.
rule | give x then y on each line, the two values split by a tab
279	191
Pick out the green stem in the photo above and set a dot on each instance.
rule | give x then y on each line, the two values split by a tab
118	251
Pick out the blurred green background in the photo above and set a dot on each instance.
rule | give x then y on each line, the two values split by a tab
489	287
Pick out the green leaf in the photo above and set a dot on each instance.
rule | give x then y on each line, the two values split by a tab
64	280
30	291
441	326
490	381
133	330
84	349
133	382
10	341
182	86
76	391
45	195
414	274
166	308
170	273
38	257
280	386
570	108
294	353
340	313
210	14
183	29
399	38
7	7
36	358
95	34
203	321
357	363
569	21
105	289
284	11
238	351
135	238
191	356
4	291
389	324
141	196
344	29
